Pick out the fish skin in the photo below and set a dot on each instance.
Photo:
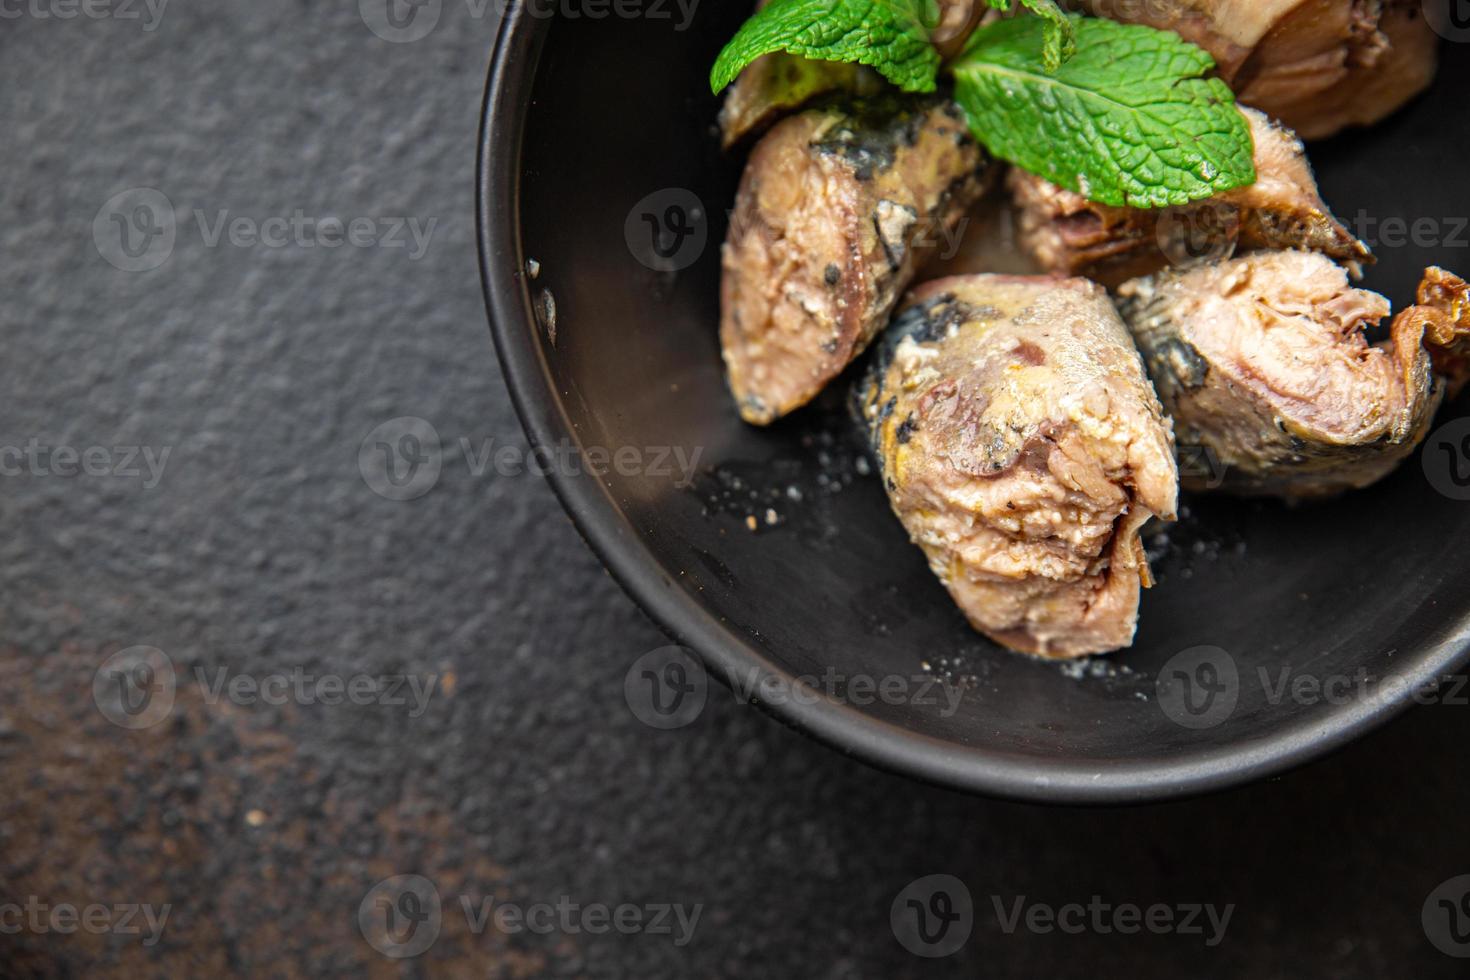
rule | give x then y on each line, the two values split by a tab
1263	363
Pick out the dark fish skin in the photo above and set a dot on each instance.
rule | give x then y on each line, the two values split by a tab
838	209
1263	364
1023	449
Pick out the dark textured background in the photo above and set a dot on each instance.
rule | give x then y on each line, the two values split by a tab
262	550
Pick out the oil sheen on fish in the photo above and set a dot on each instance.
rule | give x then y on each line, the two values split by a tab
1274	389
1023	449
838	207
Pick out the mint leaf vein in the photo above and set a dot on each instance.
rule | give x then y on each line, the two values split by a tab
1127	121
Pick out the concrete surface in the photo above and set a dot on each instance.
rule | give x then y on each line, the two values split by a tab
258	548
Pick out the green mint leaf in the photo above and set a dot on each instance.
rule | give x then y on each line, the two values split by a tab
887	35
1060	38
1128	121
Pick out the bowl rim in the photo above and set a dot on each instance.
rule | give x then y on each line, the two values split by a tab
616	543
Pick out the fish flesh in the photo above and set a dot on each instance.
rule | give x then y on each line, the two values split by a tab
1264	365
838	208
1023	448
1069	235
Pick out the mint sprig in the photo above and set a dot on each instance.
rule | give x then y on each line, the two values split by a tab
1128	121
887	35
1120	113
1059	33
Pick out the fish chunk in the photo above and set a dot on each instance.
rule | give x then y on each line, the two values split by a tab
1319	66
1070	235
838	207
1263	364
1023	448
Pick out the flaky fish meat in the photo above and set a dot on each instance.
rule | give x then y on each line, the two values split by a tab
1023	448
1263	363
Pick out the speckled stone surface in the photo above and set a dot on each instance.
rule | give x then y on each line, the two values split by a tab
259	548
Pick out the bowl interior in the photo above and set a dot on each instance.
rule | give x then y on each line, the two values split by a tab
614	118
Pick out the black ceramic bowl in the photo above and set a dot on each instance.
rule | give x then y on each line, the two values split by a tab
589	124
